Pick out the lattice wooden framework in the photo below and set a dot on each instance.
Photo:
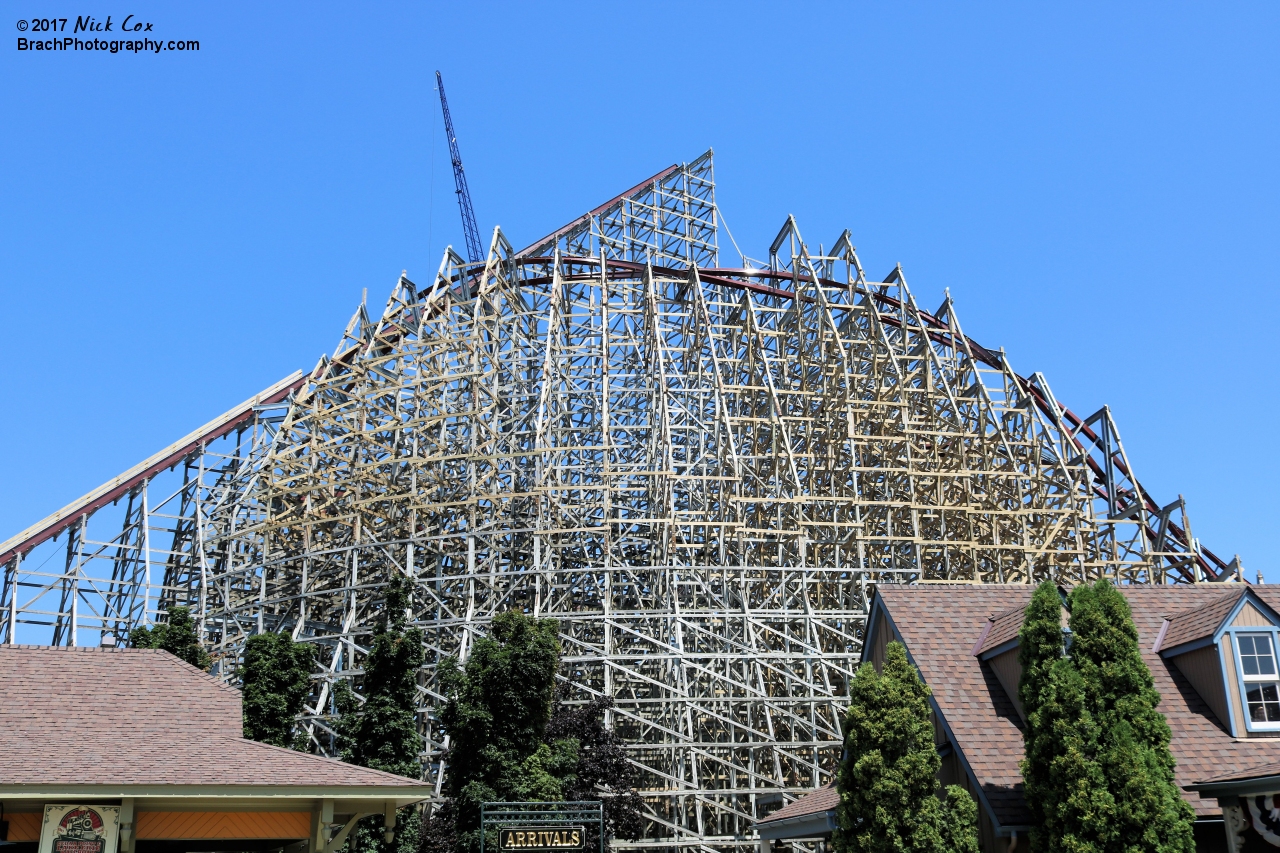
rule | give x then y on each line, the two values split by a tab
699	470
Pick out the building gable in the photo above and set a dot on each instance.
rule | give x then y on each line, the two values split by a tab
1247	643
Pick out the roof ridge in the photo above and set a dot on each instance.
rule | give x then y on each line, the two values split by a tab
71	649
1200	607
173	659
1003	613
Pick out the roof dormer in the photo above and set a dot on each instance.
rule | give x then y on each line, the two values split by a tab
1227	650
998	648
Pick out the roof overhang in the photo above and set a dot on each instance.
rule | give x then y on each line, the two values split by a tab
346	799
1247	597
1183	648
877	607
1007	645
816	825
1238	787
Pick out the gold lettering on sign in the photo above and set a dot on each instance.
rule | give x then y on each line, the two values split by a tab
547	838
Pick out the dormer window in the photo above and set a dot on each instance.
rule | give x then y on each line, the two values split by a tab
1261	687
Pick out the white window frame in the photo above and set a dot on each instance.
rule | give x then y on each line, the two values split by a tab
1245	680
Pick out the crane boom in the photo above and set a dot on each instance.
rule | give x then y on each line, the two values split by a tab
472	234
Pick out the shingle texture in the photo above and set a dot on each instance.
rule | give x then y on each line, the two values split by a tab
1200	621
1263	771
940	627
1004	627
83	716
822	800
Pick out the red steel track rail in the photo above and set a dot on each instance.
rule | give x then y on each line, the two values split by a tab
116	488
1214	567
120	486
740	279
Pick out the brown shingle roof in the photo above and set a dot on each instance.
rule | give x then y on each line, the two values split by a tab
88	716
940	627
1262	771
1200	621
1004	627
822	800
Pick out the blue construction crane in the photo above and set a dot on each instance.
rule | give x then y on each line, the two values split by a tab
474	250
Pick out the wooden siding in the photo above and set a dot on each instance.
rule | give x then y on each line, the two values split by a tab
882	638
1228	659
952	773
1203	668
171	826
1009	672
1251	617
24	826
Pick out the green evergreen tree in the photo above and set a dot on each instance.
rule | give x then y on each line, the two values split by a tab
888	776
1097	768
496	717
177	636
382	731
1062	785
1040	644
276	680
1133	753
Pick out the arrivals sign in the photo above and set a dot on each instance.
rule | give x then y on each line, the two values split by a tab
80	829
541	838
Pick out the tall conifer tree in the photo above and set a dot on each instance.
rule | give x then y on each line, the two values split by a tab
1062	784
1133	754
888	776
1098	770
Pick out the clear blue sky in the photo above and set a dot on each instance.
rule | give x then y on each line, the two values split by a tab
1096	184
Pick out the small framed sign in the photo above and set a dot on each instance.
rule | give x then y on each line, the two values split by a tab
80	829
542	838
539	827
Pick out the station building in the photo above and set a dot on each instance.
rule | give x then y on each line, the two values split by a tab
106	750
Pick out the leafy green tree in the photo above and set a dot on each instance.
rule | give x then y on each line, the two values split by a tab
496	716
1098	770
177	636
382	731
276	680
888	776
602	772
513	736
